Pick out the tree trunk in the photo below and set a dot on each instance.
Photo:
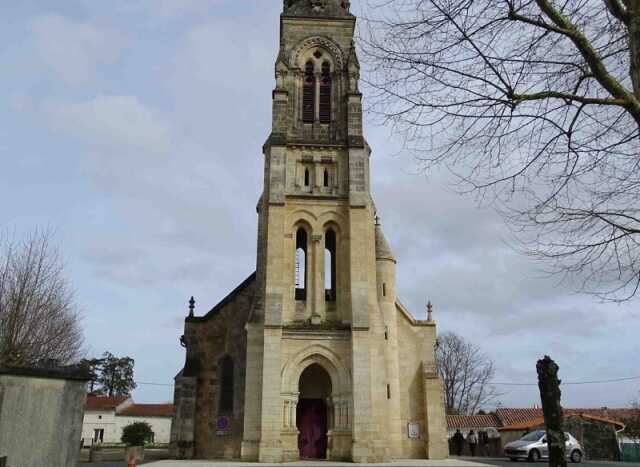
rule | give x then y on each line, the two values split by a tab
549	385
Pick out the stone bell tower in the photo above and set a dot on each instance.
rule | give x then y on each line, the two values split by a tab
316	266
313	356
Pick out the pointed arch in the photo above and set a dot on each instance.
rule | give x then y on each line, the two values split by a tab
325	93
330	249
226	373
309	95
301	263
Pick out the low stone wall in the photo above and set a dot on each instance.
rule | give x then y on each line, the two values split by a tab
41	416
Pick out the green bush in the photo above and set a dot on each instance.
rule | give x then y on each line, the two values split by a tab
137	434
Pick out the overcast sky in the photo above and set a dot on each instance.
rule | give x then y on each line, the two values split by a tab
134	129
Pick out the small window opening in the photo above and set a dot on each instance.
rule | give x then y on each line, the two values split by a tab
309	94
330	265
326	178
384	289
306	177
388	391
386	333
301	264
226	386
325	93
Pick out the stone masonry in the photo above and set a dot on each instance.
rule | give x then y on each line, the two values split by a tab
319	324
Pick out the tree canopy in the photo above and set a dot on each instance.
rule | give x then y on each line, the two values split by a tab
111	375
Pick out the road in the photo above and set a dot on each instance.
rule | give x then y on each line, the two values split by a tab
482	460
507	463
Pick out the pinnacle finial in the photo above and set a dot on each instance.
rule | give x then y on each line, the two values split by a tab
192	305
429	312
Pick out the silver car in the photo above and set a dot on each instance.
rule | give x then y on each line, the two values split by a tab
533	446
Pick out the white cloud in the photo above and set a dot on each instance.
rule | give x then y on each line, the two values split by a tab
116	122
73	50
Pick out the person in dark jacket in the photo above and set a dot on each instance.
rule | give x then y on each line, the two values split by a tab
458	442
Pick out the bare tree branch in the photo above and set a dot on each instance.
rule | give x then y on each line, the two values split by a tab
39	322
467	374
532	104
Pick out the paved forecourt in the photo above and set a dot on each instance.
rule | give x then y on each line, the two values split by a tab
400	463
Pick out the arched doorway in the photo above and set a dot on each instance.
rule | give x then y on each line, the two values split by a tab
312	413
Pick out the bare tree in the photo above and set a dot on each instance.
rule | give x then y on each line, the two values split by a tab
39	321
535	106
467	373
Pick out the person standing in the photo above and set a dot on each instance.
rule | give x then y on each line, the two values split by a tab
458	441
472	439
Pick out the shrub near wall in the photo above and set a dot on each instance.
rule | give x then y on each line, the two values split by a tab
598	439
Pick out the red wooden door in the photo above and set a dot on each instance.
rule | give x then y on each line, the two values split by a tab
311	420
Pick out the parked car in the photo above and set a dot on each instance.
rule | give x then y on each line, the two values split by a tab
533	446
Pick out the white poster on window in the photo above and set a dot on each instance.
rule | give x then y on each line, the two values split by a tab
413	430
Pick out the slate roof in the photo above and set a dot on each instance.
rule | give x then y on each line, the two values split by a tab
383	250
148	410
216	309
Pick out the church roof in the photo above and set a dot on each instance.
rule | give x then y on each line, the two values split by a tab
319	8
233	294
383	250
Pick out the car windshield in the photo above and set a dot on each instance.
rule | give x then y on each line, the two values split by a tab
533	436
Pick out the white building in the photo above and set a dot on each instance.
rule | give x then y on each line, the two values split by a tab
105	417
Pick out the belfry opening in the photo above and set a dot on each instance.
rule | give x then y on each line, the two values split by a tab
312	414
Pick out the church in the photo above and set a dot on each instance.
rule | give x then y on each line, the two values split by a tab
313	356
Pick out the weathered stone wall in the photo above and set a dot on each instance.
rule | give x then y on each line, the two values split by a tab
41	418
597	438
198	388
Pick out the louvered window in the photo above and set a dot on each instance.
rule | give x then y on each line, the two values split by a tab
325	93
309	94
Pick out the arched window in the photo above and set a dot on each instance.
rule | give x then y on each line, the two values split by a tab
226	385
325	93
306	177
330	265
309	94
326	178
301	264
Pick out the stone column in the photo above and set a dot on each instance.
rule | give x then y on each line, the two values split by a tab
435	430
317	308
253	392
289	434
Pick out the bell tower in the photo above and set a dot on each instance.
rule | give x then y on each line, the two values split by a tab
316	266
313	356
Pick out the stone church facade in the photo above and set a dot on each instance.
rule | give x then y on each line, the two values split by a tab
313	355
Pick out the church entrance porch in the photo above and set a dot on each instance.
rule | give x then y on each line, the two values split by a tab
312	412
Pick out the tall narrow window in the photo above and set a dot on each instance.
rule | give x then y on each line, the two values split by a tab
301	264
330	265
325	93
309	94
306	177
226	385
326	178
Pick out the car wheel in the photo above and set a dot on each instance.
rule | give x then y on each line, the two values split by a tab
534	455
576	456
